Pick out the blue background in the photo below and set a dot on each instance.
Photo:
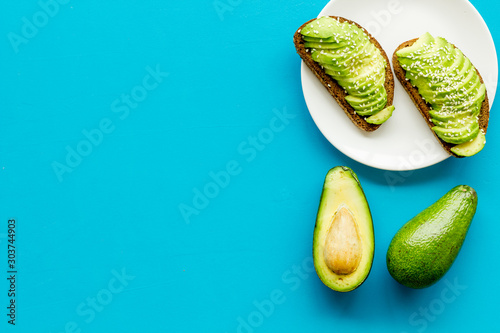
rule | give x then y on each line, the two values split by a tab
102	243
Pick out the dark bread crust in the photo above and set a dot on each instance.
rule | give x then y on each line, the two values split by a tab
333	87
422	105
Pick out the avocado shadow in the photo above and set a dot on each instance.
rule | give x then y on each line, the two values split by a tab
333	301
353	305
367	302
403	294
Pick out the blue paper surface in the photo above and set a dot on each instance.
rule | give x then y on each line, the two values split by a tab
164	175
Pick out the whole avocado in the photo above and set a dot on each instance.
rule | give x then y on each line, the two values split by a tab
424	249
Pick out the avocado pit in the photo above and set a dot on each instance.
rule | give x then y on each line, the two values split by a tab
343	250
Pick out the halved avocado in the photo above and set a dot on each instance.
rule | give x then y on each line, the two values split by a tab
344	242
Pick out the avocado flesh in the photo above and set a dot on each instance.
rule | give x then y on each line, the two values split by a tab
340	44
320	40
454	122
472	104
457	68
342	195
322	27
360	103
365	104
425	39
370	107
345	53
325	46
428	57
472	147
381	116
341	58
449	84
458	135
367	88
424	249
446	117
345	64
460	92
436	86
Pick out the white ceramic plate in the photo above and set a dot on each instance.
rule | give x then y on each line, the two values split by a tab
404	142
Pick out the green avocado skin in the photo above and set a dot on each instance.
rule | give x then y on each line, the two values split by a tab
424	249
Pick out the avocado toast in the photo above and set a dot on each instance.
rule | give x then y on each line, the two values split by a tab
351	65
448	91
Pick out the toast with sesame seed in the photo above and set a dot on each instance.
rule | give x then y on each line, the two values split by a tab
332	85
425	108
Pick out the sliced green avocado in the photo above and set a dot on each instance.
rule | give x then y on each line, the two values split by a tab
425	39
430	60
475	101
321	40
325	46
459	92
424	249
367	73
472	147
454	122
454	65
381	116
452	79
449	84
458	135
368	88
472	103
369	105
449	116
372	110
322	27
343	58
372	99
346	53
430	89
343	243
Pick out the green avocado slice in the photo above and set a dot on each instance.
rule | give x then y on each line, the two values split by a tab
455	122
458	135
368	105
449	84
346	53
325	46
447	116
321	40
472	147
323	27
424	40
381	117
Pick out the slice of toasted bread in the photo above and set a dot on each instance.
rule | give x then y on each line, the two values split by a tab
422	105
333	87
